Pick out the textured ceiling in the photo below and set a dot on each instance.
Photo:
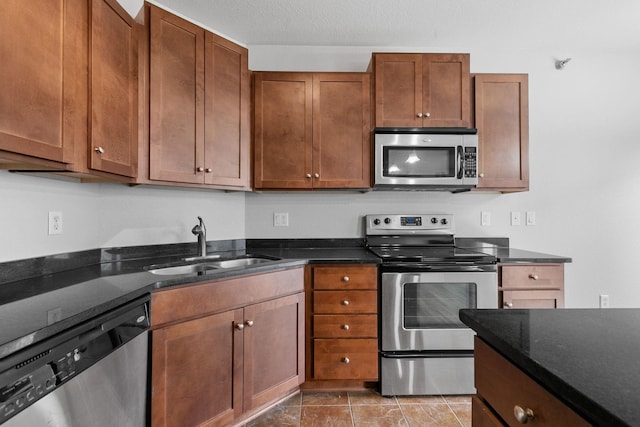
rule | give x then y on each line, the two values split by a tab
426	23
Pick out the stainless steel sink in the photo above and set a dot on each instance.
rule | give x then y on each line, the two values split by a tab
240	262
183	269
206	267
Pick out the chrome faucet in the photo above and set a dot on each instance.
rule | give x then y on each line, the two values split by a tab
201	231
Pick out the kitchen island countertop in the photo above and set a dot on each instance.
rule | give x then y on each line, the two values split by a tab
587	358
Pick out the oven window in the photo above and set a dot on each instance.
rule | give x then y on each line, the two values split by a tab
419	162
436	305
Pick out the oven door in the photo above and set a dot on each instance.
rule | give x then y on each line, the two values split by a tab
420	310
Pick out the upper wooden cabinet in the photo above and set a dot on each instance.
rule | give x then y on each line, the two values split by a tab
43	77
113	92
421	89
502	118
71	86
311	130
199	105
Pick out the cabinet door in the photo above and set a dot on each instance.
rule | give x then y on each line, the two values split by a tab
43	77
176	130
113	89
502	119
283	130
273	349
398	89
226	159
341	130
446	90
196	372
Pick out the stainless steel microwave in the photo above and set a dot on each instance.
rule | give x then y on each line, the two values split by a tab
425	159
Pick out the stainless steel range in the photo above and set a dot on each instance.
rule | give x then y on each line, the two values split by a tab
425	281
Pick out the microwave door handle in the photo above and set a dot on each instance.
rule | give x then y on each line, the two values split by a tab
460	159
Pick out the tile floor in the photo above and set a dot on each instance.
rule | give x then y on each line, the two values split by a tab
367	408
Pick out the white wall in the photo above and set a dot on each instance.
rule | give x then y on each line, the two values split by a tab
107	215
585	187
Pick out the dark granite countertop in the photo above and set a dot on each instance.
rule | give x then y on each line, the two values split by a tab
500	248
587	358
41	297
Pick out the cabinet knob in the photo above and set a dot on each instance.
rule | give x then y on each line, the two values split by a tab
427	114
523	415
99	150
345	279
346	360
208	170
533	276
419	115
316	175
345	327
200	169
308	175
481	175
508	304
249	323
345	302
239	326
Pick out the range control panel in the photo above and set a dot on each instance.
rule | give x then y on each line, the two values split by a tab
409	223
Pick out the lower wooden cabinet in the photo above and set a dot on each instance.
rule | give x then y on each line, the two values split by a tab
531	285
216	359
342	326
505	393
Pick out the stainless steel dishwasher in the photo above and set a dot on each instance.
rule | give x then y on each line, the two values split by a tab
94	374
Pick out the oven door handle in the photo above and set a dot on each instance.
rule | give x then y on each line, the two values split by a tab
460	159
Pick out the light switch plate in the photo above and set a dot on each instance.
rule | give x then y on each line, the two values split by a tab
281	219
485	218
515	218
531	218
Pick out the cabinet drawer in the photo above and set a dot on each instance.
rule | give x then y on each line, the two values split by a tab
344	359
347	326
345	277
503	386
345	302
532	299
532	276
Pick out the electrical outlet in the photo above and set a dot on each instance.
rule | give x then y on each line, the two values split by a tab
281	219
515	218
485	218
531	218
55	222
604	301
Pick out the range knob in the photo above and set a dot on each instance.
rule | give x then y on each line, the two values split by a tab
444	221
387	220
434	220
376	221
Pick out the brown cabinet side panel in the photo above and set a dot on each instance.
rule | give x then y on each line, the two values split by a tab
113	104
176	96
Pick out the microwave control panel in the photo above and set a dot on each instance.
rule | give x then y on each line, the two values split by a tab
470	162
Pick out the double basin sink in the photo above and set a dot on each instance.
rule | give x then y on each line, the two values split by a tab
205	264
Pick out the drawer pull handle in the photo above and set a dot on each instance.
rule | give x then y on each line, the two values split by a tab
523	415
345	279
346	360
99	150
345	327
533	276
508	304
249	323
239	326
345	302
